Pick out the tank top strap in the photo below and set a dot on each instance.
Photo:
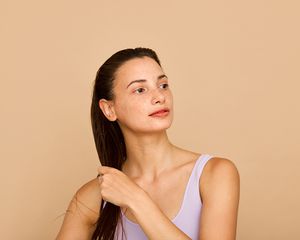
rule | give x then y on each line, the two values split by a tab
189	213
200	166
192	197
104	204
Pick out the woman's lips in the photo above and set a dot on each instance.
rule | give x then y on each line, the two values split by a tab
160	113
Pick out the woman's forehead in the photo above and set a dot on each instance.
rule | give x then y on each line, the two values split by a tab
137	68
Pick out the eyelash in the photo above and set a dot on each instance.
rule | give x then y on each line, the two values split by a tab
161	84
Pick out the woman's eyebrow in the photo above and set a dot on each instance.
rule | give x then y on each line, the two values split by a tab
144	80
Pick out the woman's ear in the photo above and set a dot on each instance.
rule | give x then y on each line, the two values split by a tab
107	109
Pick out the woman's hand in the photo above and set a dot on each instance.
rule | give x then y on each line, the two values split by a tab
116	187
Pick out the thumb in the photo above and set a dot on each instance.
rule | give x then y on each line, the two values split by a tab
103	169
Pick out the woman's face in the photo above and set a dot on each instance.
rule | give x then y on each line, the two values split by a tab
136	100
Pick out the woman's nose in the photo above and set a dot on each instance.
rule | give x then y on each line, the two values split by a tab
158	96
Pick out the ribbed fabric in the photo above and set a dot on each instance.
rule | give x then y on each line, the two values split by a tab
187	218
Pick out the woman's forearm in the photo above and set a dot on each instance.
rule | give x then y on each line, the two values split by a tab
154	223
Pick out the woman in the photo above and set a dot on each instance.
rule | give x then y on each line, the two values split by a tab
148	188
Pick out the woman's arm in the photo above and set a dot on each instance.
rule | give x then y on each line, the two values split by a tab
220	189
82	213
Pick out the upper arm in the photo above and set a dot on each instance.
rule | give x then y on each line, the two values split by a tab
220	190
82	213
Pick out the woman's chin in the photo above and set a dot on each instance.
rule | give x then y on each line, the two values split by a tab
158	128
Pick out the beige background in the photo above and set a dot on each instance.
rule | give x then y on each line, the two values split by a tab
234	72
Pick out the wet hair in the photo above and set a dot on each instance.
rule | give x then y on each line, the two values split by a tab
107	134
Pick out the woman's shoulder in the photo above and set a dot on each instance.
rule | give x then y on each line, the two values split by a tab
219	165
89	192
82	213
220	174
87	200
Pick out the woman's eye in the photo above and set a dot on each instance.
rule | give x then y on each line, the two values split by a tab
137	90
166	84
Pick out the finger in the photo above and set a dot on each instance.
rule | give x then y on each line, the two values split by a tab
104	169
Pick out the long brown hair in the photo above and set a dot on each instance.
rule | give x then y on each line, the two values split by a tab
108	136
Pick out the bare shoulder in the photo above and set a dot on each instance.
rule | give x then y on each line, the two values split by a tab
88	199
82	213
218	165
219	173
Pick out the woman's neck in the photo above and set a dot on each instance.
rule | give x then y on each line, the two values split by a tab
148	155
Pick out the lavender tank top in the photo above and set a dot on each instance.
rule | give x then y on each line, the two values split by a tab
187	218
